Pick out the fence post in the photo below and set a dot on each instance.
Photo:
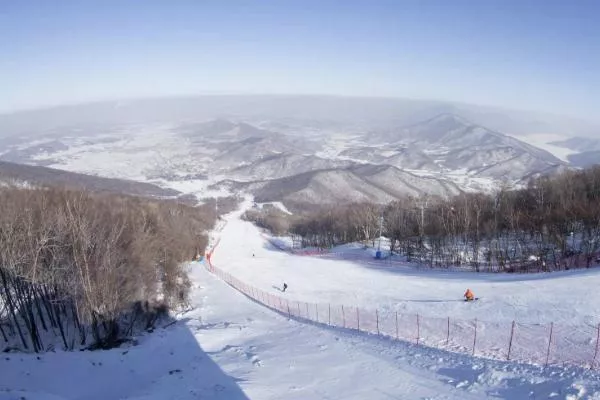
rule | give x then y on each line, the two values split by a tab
343	316
307	313
317	311
329	314
448	332
549	343
357	320
298	303
418	329
280	303
288	306
596	352
377	320
512	332
396	324
474	338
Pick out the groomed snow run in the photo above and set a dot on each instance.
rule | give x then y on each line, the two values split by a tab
229	347
567	298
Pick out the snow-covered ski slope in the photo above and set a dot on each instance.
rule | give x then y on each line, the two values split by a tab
229	347
541	318
569	297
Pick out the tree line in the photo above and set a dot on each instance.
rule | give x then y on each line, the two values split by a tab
551	224
89	270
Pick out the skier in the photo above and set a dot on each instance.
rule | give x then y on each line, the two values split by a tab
284	286
469	296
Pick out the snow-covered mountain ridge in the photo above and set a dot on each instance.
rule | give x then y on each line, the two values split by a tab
279	158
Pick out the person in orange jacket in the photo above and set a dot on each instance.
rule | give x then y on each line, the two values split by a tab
469	296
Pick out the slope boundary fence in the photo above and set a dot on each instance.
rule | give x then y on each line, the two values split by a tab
540	344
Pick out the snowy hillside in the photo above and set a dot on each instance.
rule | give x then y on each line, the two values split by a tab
41	176
402	183
444	148
284	165
231	348
327	186
456	143
533	298
228	347
358	183
401	157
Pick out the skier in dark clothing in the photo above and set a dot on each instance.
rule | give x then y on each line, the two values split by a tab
284	286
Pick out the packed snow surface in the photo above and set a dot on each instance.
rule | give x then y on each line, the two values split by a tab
277	204
228	347
569	297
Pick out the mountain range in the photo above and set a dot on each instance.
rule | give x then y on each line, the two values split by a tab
19	175
312	149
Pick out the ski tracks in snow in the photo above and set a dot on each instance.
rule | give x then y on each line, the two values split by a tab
273	357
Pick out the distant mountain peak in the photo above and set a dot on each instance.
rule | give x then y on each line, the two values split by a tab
440	125
220	124
448	117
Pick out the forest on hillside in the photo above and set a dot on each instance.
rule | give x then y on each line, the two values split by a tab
88	270
552	224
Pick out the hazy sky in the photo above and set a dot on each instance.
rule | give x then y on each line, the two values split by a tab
538	55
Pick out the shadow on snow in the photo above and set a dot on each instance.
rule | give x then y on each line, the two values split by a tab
168	363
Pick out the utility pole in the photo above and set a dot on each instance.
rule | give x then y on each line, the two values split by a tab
423	205
380	230
378	252
422	220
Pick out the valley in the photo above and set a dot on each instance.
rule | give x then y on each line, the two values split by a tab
285	157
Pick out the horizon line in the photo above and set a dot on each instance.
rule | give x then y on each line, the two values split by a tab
6	113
